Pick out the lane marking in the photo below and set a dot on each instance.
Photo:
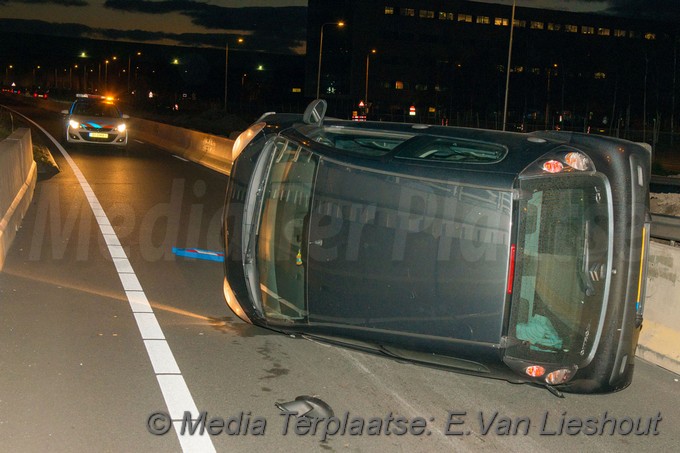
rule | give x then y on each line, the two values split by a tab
170	380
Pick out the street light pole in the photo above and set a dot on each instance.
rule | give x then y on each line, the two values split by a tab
547	100
226	70
366	92
129	69
226	73
507	69
318	71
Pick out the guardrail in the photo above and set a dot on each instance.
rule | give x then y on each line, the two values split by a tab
659	341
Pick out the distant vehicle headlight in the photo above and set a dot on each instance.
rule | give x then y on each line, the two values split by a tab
121	127
74	124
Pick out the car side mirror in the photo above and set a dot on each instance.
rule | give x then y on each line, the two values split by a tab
127	117
64	112
315	112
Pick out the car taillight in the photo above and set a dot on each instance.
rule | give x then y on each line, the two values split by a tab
558	376
577	161
563	159
511	267
553	166
535	371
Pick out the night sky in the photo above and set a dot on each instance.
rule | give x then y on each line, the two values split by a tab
276	26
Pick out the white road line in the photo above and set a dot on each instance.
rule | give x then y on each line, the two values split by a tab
173	386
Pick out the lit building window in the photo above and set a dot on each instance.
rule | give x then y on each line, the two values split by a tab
535	70
501	21
571	28
536	25
398	85
426	14
421	87
407	12
620	33
483	20
389	10
520	23
650	36
603	31
464	18
554	27
600	75
586	30
442	15
633	34
518	69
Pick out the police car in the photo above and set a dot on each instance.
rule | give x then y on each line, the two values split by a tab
94	119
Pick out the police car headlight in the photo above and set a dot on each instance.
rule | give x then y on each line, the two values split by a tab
121	127
74	124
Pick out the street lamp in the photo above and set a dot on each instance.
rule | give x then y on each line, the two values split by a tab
373	51
226	69
318	73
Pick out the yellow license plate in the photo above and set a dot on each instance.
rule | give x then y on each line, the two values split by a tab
98	135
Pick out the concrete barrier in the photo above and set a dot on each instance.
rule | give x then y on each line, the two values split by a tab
18	175
211	151
660	337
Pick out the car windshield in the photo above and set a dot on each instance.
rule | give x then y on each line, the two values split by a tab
562	267
100	109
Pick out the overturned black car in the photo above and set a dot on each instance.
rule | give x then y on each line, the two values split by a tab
507	255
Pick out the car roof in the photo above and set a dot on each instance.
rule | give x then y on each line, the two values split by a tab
521	149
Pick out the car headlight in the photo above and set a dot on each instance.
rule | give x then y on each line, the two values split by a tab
121	127
245	138
74	124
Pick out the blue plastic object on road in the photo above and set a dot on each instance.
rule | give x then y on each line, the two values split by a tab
199	253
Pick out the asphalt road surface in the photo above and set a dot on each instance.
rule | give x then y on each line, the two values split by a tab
104	333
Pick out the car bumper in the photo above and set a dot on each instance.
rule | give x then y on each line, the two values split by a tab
97	138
